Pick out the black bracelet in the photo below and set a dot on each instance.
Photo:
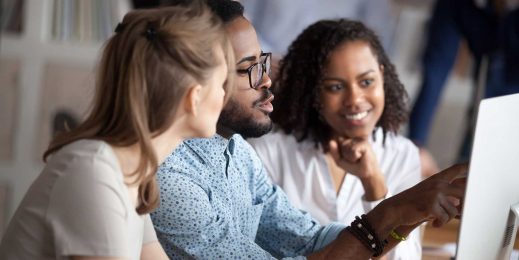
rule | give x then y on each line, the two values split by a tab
361	237
380	244
362	230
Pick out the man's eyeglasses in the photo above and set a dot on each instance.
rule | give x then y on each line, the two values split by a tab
257	70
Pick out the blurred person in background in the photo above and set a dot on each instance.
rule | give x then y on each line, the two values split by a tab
491	30
278	23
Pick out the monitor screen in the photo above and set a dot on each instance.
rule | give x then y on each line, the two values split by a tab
491	206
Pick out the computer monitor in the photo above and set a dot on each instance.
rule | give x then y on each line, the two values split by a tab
491	207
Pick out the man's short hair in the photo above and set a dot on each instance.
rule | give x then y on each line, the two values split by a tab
227	10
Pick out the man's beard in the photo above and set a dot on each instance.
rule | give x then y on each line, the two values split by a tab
234	118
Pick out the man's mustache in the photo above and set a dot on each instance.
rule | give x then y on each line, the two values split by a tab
265	95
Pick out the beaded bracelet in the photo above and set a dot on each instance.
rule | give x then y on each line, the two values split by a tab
362	230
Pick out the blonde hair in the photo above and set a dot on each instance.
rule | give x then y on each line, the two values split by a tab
145	71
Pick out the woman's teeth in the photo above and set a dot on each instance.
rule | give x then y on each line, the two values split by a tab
357	116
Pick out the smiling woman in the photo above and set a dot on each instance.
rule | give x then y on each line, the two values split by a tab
351	97
339	104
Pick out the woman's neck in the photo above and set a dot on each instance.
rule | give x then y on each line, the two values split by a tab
165	144
162	145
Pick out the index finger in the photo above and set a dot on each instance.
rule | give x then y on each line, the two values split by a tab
453	172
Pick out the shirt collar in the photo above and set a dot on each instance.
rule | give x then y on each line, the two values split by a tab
217	144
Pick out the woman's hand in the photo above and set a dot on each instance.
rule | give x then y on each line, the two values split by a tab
356	156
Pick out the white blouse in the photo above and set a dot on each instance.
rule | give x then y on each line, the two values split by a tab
301	170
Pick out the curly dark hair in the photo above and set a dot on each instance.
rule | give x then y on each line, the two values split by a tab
302	68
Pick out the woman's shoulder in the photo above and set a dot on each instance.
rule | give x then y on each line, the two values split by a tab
84	148
276	139
85	168
94	157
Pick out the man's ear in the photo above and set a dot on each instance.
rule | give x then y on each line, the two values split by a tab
192	100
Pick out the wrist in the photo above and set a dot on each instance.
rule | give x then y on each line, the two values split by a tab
406	230
365	233
398	236
374	186
401	233
383	219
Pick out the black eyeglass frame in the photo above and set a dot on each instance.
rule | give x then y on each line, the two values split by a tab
268	56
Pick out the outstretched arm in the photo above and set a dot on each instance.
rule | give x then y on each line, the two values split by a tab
430	200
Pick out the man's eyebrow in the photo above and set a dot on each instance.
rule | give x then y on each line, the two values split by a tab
248	58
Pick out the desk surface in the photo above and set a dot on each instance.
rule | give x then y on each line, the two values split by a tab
438	237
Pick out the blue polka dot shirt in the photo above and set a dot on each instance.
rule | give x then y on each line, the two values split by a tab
217	203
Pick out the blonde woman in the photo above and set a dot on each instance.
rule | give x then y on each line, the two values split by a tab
161	80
